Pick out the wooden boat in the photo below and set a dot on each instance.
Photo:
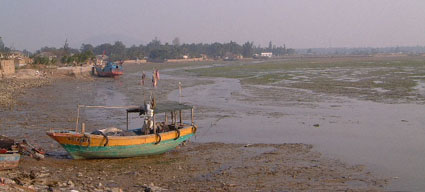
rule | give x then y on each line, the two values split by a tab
153	138
9	160
9	157
110	70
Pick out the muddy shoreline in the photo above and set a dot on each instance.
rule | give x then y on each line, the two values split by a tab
202	166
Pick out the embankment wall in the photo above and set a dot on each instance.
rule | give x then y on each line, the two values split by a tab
7	68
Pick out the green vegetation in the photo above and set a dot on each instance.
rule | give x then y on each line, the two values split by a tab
157	51
43	60
4	51
78	58
370	78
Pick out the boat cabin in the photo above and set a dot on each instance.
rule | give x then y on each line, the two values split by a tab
172	117
159	118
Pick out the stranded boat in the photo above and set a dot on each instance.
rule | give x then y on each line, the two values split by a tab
152	138
110	70
9	157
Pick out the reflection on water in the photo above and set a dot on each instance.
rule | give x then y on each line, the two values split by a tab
386	137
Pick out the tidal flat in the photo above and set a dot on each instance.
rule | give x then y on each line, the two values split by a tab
345	123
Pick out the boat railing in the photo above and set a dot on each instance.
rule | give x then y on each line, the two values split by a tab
99	107
173	115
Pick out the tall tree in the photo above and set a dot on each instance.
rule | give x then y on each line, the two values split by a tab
66	48
118	51
103	48
270	46
247	49
86	47
1	45
176	41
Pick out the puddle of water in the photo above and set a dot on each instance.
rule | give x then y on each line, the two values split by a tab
420	87
380	90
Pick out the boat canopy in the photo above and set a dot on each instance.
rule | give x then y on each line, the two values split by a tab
161	108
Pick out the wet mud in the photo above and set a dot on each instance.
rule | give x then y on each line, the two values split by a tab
222	157
360	110
201	167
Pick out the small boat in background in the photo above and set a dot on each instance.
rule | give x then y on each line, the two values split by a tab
153	138
111	69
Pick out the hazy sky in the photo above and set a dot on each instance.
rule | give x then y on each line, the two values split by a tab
296	23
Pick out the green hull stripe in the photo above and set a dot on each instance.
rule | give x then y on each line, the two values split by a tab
83	152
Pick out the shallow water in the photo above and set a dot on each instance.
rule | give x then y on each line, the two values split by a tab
388	138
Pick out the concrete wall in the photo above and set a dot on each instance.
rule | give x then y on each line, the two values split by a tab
184	60
7	67
168	60
135	61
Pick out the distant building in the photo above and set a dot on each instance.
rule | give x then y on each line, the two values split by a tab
48	54
19	58
266	54
16	54
232	57
204	56
20	62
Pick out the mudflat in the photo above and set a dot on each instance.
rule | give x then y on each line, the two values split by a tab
258	130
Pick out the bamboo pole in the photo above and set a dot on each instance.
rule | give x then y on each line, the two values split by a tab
180	114
180	92
78	117
175	117
83	128
108	107
191	114
154	126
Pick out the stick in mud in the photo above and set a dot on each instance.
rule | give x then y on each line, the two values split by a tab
180	92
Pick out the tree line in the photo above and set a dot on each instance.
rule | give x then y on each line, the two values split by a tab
156	51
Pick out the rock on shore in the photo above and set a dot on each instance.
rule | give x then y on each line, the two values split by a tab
10	87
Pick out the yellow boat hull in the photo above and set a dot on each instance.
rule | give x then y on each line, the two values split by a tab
89	146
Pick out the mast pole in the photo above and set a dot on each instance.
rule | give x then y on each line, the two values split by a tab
78	117
127	120
191	114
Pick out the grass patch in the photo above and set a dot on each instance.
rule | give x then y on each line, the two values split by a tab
373	78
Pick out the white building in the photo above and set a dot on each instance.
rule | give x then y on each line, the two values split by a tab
266	54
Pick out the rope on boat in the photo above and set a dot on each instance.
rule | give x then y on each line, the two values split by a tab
157	134
106	137
88	140
178	134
